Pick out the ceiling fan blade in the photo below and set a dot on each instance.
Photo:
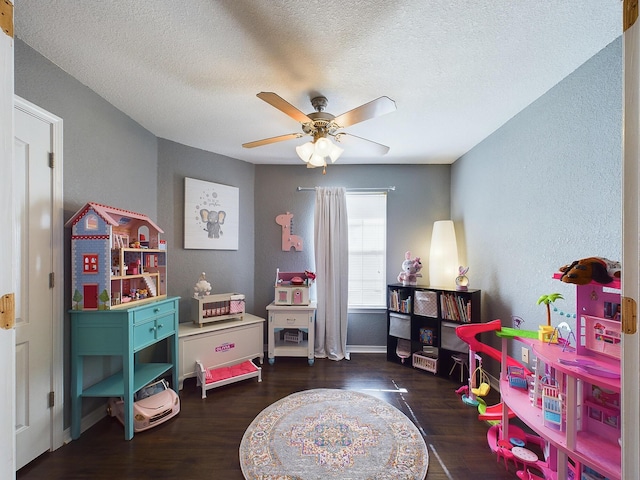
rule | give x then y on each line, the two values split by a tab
375	148
267	141
281	104
375	108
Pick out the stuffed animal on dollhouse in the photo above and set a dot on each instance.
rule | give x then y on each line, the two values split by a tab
410	270
106	272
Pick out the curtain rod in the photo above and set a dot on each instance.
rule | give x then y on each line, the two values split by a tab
379	189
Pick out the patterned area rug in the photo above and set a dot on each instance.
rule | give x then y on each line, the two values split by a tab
327	434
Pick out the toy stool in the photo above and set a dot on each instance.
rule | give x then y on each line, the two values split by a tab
459	361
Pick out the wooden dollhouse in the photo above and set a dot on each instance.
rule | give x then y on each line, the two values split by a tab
117	258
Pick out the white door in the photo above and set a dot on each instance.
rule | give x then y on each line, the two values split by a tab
631	248
37	306
7	286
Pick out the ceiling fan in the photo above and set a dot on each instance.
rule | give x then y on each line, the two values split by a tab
322	125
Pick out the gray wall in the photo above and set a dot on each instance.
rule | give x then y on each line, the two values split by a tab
421	197
544	190
108	158
227	270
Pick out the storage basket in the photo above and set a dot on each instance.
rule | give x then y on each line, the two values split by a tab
424	362
236	304
403	349
400	326
426	303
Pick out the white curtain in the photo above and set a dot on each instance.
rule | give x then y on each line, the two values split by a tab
331	238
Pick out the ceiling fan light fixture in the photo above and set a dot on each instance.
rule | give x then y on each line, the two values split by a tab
317	160
314	154
335	152
305	151
323	146
322	125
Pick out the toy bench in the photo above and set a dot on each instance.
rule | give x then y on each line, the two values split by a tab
209	378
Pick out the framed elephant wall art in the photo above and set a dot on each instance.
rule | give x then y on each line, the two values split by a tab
211	215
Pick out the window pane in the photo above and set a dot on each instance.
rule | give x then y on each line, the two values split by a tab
367	249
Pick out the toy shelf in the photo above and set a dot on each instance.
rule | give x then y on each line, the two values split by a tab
423	320
113	386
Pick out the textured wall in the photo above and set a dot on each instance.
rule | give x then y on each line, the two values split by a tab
108	158
227	270
420	198
543	190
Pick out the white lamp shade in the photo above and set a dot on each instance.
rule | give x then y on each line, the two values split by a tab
316	160
323	147
305	151
315	154
335	152
443	256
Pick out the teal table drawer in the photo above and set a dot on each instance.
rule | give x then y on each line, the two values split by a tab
145	313
166	326
144	334
149	332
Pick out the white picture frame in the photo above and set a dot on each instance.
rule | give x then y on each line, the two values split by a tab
211	215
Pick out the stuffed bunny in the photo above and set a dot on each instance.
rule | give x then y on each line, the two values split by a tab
410	270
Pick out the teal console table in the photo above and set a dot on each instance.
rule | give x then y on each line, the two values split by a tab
122	332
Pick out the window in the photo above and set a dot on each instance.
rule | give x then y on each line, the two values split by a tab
367	214
90	263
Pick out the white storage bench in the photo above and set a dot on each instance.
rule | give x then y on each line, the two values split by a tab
219	344
213	377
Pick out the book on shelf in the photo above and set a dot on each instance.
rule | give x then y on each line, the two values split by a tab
455	307
398	304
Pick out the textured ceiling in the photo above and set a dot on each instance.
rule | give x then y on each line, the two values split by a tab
189	70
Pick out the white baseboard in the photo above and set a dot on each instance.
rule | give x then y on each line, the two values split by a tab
88	421
367	349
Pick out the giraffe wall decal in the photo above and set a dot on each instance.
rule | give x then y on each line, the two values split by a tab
288	239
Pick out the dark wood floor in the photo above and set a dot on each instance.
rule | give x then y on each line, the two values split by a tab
202	441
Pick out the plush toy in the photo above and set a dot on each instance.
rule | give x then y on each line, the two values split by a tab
586	270
410	270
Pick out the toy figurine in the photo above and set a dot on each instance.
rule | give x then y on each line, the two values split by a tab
462	282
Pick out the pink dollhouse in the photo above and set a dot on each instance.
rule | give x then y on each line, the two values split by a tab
578	415
572	403
117	258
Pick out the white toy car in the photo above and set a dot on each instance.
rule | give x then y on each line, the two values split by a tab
153	404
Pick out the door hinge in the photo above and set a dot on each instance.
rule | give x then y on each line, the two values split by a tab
8	311
52	280
6	17
629	13
629	316
51	160
52	399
